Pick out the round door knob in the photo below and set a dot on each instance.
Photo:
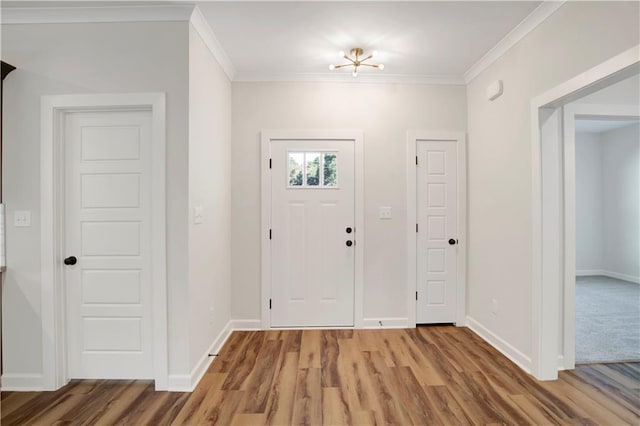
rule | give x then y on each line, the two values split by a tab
349	230
71	260
349	243
452	241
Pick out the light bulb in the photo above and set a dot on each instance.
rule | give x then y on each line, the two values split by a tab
381	66
341	53
332	67
354	73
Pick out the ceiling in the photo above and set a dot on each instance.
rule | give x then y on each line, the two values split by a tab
418	41
604	125
415	40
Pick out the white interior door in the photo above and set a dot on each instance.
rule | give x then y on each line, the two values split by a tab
107	227
312	233
437	240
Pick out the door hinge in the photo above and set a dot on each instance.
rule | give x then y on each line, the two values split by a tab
416	160
269	233
269	162
416	295
269	303
416	227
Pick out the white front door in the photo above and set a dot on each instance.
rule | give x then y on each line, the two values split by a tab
107	230
312	233
437	214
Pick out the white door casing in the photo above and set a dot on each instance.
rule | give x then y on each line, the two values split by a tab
312	273
345	256
52	214
442	294
108	231
547	212
437	205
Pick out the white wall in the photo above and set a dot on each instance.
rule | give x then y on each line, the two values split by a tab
621	198
87	58
209	188
589	224
578	36
384	112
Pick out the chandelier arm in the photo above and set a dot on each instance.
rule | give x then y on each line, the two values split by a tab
342	66
367	58
370	65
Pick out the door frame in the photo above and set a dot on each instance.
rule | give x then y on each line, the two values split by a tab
459	138
571	112
355	136
52	233
548	255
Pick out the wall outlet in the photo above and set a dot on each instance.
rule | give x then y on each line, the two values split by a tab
385	213
22	218
494	306
198	215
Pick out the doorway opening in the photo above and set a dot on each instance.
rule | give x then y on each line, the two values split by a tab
607	230
553	210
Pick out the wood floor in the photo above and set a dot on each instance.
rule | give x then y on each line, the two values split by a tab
424	376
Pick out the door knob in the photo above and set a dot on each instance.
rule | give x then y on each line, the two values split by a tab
71	260
349	243
349	230
452	241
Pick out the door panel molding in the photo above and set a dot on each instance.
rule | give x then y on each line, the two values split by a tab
413	137
52	204
266	137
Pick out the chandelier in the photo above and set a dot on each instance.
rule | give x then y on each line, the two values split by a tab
356	60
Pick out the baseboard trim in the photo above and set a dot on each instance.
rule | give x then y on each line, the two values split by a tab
589	272
22	382
520	359
610	274
188	382
623	277
385	323
246	325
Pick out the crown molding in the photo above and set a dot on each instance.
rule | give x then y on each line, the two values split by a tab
70	15
201	25
528	24
347	78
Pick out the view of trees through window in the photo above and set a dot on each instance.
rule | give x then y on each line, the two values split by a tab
313	169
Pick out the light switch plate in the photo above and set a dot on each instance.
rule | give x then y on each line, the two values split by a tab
22	218
385	213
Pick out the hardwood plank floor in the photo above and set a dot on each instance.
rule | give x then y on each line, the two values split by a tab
436	375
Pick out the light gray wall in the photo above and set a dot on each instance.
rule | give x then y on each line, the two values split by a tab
589	224
384	112
578	36
87	58
209	188
621	198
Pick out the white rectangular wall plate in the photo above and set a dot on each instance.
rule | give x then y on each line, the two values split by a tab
22	218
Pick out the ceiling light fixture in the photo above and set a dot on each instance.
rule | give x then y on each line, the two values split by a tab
356	60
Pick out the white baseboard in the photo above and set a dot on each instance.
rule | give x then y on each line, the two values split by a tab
246	325
385	323
188	382
610	274
623	277
22	382
520	359
589	272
